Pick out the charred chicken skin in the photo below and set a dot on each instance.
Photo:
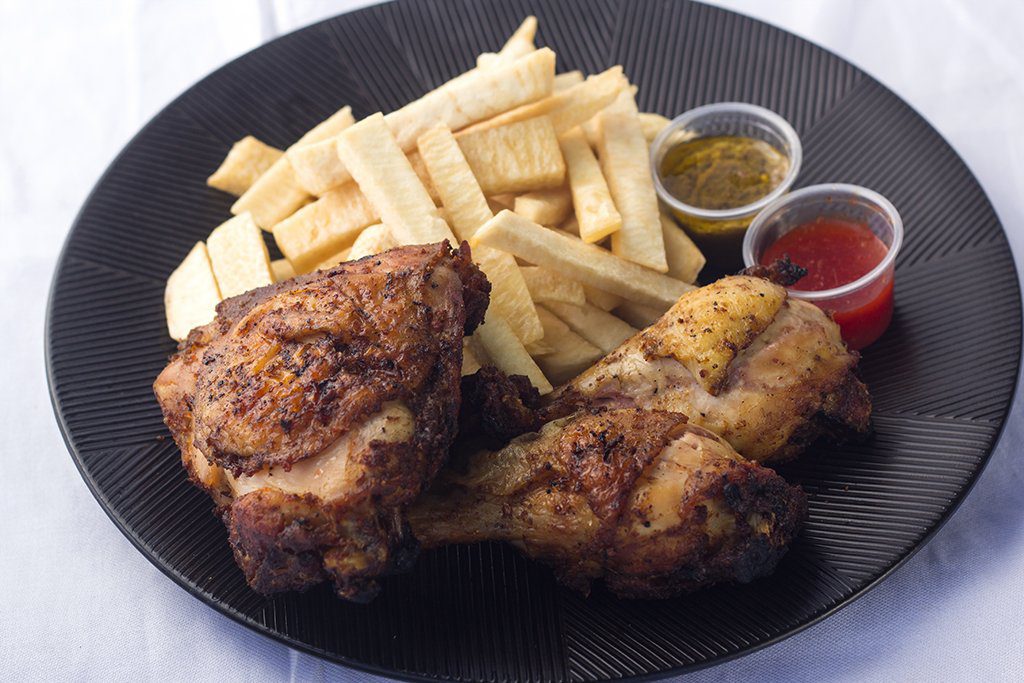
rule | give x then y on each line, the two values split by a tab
315	410
766	372
640	499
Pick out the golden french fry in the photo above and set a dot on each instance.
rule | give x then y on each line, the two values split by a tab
454	182
519	157
467	209
317	167
416	161
546	207
239	256
600	328
639	315
191	294
527	111
652	124
481	95
371	241
373	157
568	108
593	295
509	296
547	286
624	103
278	193
624	161
314	159
591	130
470	362
518	45
571	354
525	34
685	260
592	200
328	128
477	349
602	299
325	172
282	269
585	263
568	79
507	353
334	260
583	101
247	160
473	96
273	197
325	227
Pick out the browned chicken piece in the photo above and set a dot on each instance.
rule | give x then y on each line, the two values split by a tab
316	409
641	499
766	372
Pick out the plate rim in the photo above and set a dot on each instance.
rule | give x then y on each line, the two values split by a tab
345	662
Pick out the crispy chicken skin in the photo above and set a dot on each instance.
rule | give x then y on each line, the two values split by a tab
314	410
767	373
644	501
496	408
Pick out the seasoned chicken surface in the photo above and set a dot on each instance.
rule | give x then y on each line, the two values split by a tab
767	373
315	410
651	505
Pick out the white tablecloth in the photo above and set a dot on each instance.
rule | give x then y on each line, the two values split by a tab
77	601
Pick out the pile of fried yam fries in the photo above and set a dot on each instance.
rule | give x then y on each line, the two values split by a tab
546	176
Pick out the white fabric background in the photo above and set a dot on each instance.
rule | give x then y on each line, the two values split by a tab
76	599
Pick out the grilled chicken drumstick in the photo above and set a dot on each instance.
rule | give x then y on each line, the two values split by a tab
766	372
314	410
641	499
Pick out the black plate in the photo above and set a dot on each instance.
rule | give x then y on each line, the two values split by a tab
942	378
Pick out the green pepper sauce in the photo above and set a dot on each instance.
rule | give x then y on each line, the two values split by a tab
722	172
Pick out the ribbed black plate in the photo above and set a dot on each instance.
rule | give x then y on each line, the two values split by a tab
942	378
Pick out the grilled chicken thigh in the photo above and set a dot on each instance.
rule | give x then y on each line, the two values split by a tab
641	499
315	410
766	372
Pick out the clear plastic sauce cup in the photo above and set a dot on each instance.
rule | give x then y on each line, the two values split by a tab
719	232
863	308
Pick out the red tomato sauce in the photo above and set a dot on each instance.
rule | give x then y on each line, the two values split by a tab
836	252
